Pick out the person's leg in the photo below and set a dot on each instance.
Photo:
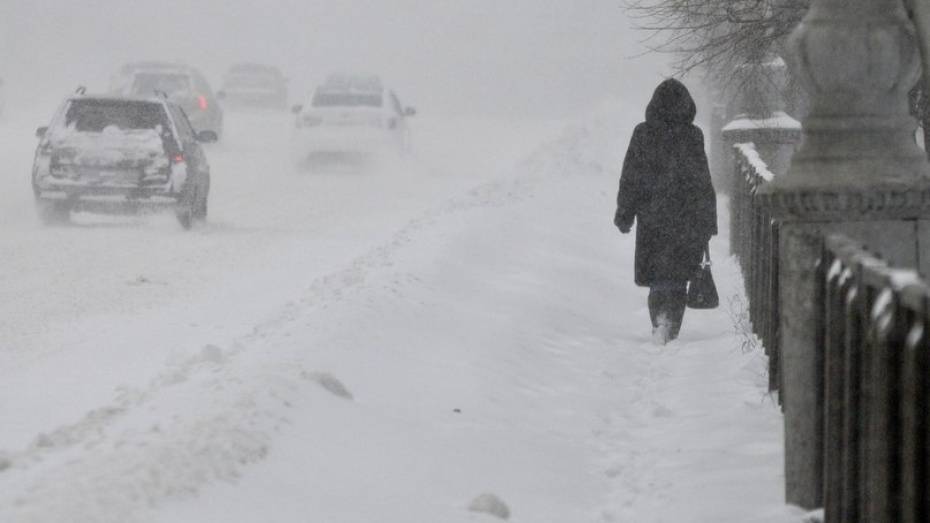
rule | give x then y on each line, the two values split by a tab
655	305
661	312
677	302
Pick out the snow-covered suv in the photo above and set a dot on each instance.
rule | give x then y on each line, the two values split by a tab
118	154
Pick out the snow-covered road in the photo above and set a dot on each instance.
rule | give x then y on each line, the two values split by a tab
105	301
378	346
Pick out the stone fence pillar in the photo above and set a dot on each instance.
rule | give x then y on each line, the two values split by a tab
759	116
857	172
760	120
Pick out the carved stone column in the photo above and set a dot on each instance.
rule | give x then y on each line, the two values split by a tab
858	59
858	172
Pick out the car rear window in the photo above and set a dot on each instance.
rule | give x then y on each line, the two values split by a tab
93	116
171	84
337	99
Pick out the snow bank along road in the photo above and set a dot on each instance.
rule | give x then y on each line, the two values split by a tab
381	346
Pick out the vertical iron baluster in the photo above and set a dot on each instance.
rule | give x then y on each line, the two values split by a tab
775	363
914	424
835	285
880	395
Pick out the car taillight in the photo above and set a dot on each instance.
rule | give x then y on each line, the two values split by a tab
179	158
202	102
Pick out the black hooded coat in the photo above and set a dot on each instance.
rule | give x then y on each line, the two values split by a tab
666	187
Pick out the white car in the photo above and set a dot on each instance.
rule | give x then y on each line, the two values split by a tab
351	115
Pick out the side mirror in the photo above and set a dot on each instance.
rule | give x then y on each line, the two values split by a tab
297	109
41	132
207	137
410	111
221	95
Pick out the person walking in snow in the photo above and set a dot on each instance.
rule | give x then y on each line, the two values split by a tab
665	187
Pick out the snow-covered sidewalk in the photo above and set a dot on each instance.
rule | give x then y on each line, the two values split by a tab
495	345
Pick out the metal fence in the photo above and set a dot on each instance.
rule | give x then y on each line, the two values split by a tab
876	388
874	366
754	241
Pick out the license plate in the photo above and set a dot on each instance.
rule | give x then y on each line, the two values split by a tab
100	177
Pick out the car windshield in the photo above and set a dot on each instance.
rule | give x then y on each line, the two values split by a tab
347	99
93	116
172	84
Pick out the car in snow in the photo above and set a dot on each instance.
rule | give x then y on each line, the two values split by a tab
351	115
120	154
254	86
182	84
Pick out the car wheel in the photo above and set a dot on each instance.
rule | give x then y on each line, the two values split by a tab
53	212
200	204
187	207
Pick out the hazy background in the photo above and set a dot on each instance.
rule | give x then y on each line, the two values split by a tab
491	57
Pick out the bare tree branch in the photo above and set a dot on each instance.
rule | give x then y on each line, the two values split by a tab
716	35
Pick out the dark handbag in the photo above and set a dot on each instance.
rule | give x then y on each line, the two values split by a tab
702	292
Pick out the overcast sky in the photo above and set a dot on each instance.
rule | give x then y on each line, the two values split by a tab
496	57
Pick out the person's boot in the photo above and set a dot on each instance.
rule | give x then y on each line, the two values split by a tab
662	332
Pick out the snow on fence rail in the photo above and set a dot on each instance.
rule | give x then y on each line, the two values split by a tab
754	241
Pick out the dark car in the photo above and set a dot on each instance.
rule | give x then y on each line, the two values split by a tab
120	154
182	84
254	86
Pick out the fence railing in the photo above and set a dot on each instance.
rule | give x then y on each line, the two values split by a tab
876	388
754	241
873	363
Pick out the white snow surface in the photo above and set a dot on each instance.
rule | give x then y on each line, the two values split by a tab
347	347
778	120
